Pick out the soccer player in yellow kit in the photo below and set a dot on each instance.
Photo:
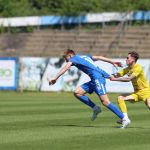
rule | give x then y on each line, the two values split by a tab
135	74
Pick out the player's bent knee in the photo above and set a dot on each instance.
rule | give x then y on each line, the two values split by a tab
120	99
148	103
105	103
77	93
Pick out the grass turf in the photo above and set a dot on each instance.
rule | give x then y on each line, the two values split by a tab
58	121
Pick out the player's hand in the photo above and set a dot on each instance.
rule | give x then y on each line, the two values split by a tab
117	64
112	78
52	81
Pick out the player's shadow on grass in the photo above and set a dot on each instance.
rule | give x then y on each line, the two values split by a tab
133	127
77	125
94	126
80	126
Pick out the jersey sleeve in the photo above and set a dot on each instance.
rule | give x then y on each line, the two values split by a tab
105	74
90	56
123	72
137	70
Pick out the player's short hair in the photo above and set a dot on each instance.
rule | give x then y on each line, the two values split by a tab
134	54
69	51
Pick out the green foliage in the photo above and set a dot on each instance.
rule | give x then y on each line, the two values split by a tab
11	8
29	29
2	29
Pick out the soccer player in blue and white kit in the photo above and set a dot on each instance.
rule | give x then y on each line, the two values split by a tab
96	84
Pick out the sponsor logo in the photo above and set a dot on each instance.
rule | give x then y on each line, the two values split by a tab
97	84
5	73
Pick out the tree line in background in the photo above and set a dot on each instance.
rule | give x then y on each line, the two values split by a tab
13	8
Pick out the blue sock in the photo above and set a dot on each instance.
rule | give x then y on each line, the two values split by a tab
86	101
115	110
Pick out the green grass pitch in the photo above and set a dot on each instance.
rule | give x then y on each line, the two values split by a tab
58	121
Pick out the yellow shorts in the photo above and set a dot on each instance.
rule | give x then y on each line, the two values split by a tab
141	95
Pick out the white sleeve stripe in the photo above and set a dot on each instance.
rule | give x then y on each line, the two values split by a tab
104	91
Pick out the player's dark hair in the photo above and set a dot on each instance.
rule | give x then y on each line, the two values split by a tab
69	51
135	55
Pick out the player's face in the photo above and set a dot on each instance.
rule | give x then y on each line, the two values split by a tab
130	60
67	57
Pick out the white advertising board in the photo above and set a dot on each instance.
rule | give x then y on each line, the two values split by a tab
8	73
35	73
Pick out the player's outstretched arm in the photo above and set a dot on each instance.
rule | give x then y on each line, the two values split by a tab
61	72
115	63
122	79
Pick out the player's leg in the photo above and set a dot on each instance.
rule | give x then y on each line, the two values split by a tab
125	121
145	96
105	101
80	94
100	90
122	105
148	102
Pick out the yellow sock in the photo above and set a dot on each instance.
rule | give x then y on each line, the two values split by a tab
122	105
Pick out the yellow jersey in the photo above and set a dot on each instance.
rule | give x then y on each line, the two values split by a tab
139	82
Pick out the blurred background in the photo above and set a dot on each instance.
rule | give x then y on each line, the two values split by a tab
33	37
34	34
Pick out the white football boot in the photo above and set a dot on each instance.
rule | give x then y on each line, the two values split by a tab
120	121
125	122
